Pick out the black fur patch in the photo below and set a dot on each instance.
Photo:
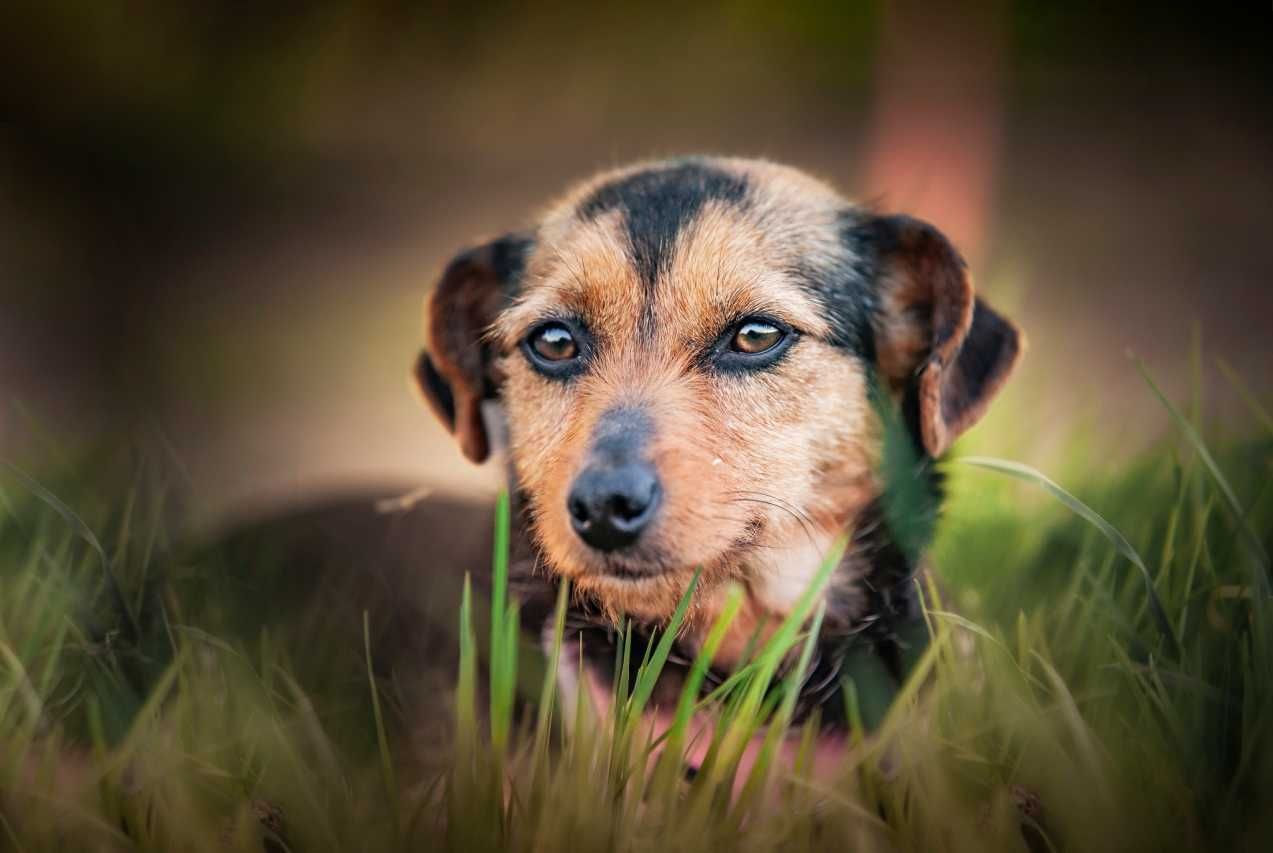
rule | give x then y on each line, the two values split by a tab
845	285
991	342
658	203
508	258
432	383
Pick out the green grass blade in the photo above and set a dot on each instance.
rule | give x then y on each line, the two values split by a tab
548	694
502	669
84	532
466	688
23	690
648	675
382	739
672	757
750	705
1231	375
1082	510
758	778
1195	440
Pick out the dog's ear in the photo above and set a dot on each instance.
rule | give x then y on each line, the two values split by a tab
946	351
455	374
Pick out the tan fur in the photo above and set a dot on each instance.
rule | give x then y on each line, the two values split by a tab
754	468
760	472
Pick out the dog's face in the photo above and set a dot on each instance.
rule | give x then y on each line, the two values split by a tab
684	352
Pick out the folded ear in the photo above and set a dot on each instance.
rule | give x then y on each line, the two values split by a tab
454	375
946	351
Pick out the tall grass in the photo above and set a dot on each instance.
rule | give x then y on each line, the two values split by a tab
1100	677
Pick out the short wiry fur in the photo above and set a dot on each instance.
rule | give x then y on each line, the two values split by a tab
761	470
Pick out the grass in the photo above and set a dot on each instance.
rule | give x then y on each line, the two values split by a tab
1100	677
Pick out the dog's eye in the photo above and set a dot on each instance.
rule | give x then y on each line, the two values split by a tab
756	336
557	349
554	342
753	343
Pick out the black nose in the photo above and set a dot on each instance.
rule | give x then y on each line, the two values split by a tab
610	506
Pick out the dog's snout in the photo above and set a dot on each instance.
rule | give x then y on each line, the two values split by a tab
610	506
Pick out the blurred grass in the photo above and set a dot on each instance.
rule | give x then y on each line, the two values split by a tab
153	697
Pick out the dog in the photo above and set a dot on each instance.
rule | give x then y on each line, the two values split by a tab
682	357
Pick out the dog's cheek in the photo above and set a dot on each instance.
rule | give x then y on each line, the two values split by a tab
775	426
542	430
812	440
846	455
698	522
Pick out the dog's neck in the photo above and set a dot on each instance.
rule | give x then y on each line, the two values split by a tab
871	586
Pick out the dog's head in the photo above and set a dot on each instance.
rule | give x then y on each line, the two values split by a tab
684	352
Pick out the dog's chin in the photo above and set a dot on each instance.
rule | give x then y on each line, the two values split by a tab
648	580
642	595
627	572
644	587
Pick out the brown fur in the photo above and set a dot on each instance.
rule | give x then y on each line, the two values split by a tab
760	472
929	308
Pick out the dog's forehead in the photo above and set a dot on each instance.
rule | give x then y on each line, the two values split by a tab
656	206
687	244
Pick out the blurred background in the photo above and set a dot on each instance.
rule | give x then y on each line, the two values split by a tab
217	226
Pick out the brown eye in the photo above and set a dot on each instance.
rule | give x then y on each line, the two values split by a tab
554	342
756	336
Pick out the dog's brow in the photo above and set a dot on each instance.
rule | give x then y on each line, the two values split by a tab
538	306
701	320
658	204
711	310
806	322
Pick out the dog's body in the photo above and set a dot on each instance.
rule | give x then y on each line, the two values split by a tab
687	355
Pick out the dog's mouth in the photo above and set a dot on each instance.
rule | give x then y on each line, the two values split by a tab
635	567
627	572
646	564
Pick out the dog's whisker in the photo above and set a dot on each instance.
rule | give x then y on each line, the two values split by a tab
777	500
789	506
805	525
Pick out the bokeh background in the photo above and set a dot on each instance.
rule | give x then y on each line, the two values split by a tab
217	224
